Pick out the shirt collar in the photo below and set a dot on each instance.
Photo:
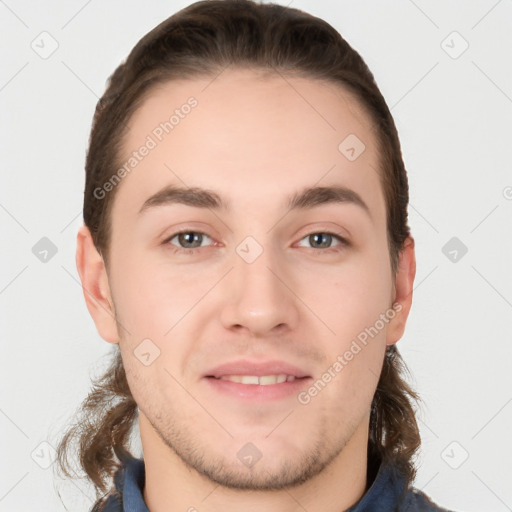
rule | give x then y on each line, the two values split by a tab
130	483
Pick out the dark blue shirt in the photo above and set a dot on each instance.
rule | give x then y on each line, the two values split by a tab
387	493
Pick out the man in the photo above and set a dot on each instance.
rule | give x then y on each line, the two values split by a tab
245	246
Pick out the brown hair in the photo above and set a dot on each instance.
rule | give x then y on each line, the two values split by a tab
200	41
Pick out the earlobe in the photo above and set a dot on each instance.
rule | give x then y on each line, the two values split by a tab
95	286
404	281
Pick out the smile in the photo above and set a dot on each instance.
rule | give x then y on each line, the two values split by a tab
264	380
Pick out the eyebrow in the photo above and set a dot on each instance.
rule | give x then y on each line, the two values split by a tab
307	198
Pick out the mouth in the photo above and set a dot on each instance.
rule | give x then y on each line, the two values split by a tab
246	380
255	380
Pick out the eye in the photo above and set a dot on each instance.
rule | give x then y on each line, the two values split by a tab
188	241
323	239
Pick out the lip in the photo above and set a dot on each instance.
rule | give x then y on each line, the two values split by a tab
256	392
259	369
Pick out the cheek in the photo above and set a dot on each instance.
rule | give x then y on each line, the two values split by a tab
358	293
151	297
358	310
354	354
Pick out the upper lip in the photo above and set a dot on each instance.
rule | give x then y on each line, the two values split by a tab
259	369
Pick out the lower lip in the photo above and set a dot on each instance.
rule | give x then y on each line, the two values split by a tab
257	392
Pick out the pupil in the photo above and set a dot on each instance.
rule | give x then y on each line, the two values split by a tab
320	235
186	236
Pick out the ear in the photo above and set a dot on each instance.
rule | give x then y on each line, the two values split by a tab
404	281
95	286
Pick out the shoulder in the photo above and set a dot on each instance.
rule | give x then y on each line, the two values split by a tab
113	500
129	479
417	501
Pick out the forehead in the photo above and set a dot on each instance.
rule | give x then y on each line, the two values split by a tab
257	138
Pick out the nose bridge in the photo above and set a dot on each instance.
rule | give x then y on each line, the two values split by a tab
259	298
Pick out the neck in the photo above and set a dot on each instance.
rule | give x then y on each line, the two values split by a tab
171	485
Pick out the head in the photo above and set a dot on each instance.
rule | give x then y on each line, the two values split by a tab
253	104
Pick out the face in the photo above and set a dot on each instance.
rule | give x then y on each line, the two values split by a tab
243	337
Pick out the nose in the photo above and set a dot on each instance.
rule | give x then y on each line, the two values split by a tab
259	294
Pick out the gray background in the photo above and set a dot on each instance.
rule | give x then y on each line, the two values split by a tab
453	111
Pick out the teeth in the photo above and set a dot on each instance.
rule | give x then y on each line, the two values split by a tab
249	379
264	380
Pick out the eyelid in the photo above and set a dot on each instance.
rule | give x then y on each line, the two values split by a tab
329	228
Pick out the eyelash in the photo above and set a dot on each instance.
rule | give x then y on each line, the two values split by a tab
343	242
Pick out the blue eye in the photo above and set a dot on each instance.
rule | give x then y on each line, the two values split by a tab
189	241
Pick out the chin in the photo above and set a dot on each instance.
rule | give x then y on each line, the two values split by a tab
271	472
